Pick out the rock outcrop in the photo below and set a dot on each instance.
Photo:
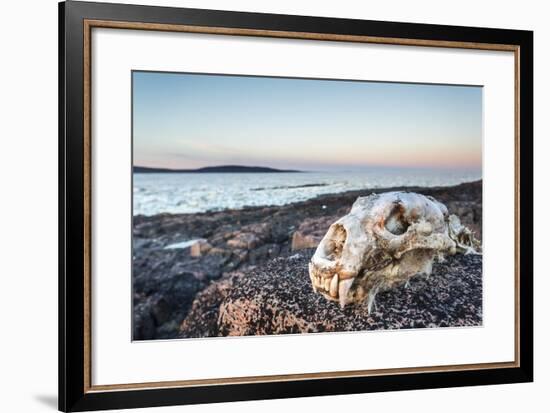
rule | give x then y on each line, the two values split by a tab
166	281
310	232
277	298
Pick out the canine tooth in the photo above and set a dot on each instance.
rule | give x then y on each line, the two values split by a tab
327	284
333	288
343	290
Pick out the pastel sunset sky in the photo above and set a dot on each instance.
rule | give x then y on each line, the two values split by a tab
191	120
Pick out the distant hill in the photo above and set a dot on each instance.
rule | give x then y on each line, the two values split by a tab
213	169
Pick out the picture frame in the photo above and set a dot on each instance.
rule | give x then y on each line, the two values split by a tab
77	390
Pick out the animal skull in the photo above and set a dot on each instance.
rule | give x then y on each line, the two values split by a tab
384	241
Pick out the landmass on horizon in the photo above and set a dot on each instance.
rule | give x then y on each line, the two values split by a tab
214	169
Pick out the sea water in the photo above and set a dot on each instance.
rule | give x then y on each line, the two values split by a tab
155	193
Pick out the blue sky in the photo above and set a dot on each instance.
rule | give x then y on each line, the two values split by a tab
191	120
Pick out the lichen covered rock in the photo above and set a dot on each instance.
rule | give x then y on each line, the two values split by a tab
277	298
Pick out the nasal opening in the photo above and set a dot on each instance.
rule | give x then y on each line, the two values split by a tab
335	242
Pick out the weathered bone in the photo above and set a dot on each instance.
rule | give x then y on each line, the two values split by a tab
384	241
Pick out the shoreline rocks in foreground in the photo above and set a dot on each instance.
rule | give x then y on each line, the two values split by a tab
255	244
259	303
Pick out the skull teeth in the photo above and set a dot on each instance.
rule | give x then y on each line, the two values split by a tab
333	286
343	290
317	281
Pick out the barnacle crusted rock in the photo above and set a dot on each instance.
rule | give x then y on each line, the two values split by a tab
384	241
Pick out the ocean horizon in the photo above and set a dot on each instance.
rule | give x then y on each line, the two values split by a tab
179	193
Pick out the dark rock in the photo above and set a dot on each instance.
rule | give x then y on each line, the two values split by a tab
161	293
202	320
143	325
263	253
160	309
277	298
166	330
244	240
311	231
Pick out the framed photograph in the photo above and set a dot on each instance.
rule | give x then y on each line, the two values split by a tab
258	206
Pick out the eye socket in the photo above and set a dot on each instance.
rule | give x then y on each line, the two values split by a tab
396	222
335	242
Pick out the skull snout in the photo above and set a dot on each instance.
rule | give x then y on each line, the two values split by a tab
336	238
337	259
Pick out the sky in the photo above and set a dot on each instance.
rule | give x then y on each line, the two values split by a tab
195	120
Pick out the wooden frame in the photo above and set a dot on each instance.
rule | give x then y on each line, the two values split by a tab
76	21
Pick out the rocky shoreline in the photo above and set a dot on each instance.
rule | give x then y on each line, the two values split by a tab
246	272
